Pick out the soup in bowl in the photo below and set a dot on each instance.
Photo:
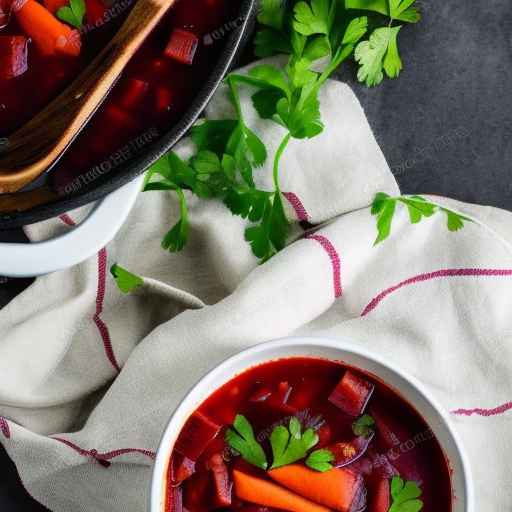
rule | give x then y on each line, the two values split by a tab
309	425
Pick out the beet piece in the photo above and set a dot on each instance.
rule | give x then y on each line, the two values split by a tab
324	436
95	12
222	484
182	468
380	496
197	492
352	394
197	433
132	93
13	56
182	46
261	394
163	98
5	12
347	453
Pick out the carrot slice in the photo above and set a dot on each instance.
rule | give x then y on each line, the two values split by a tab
48	33
338	489
261	492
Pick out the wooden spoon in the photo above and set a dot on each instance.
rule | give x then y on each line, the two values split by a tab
33	149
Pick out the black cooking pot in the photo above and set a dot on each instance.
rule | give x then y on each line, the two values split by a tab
107	183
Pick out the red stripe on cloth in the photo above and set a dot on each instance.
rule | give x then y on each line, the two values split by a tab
104	457
67	219
100	297
335	261
300	211
502	409
4	427
450	272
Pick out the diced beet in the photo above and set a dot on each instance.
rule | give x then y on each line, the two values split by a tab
197	492
197	433
347	453
163	98
182	468
131	93
222	484
324	436
382	466
182	46
352	394
95	12
390	430
13	56
380	496
363	466
5	12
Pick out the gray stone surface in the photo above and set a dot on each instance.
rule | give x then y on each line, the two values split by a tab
445	126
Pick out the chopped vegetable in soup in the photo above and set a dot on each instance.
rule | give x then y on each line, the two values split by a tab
45	44
307	435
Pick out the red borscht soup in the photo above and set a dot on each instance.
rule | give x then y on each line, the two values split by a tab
307	435
44	44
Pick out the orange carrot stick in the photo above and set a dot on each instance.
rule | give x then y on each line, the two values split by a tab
338	489
261	492
48	33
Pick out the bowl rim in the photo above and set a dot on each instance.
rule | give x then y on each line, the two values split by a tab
124	174
342	344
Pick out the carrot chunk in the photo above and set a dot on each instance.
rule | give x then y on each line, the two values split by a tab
338	489
49	35
261	492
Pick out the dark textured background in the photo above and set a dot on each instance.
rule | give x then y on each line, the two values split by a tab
445	126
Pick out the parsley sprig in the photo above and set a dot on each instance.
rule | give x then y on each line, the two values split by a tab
318	36
126	281
364	426
384	209
241	438
405	496
73	13
288	443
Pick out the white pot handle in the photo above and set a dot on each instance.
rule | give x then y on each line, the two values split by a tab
75	246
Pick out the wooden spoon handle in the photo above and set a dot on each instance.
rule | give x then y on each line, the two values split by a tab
39	143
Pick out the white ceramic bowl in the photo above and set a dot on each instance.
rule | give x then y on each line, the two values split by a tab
334	349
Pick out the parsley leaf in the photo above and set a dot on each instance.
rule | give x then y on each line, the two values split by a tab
312	18
73	14
272	13
396	9
289	444
241	439
363	426
126	281
320	460
384	207
379	53
405	496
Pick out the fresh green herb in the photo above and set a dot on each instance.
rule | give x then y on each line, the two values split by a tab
241	438
405	496
73	13
363	426
384	207
126	281
320	460
380	53
289	444
318	36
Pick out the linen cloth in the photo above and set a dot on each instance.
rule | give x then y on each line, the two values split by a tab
89	376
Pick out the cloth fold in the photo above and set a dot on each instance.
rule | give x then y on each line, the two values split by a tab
89	376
